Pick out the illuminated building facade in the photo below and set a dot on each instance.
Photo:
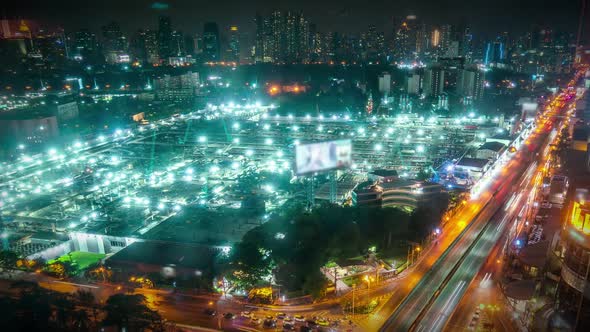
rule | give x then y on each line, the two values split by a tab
573	291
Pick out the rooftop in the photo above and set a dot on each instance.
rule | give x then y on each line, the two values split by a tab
535	254
494	146
165	253
473	162
384	172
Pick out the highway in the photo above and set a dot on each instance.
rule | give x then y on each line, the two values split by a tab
430	304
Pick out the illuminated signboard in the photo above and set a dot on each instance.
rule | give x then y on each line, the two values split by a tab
324	156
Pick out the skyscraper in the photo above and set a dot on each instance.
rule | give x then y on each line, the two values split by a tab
282	37
210	42
434	81
446	33
144	46
85	44
114	42
164	37
403	46
470	83
233	47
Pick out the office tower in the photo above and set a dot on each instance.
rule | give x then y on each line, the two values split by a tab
259	39
113	37
164	37
144	46
385	83
434	81
210	42
233	47
535	38
402	50
189	45
412	84
466	44
315	44
374	43
470	83
446	34
282	37
85	45
422	39
435	38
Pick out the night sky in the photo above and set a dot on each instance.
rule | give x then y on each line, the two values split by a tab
487	16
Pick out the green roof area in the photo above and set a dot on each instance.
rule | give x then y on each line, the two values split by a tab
80	260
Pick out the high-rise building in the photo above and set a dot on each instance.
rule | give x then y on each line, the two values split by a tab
413	84
470	83
211	42
315	44
446	37
573	287
282	37
435	38
385	83
466	44
85	45
422	39
144	46
232	53
180	88
165	37
374	43
402	50
434	81
114	42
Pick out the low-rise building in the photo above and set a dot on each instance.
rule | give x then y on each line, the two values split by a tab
473	168
490	150
401	193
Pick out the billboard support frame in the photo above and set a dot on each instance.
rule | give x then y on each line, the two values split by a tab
310	192
333	187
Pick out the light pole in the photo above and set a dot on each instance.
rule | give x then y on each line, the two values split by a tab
353	289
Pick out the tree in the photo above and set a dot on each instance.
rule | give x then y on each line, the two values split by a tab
64	310
86	299
58	268
130	312
8	259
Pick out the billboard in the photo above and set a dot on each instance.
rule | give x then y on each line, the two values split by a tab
323	156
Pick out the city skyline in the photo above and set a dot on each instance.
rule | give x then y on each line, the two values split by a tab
347	16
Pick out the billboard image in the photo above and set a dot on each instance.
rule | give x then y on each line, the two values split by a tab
324	156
